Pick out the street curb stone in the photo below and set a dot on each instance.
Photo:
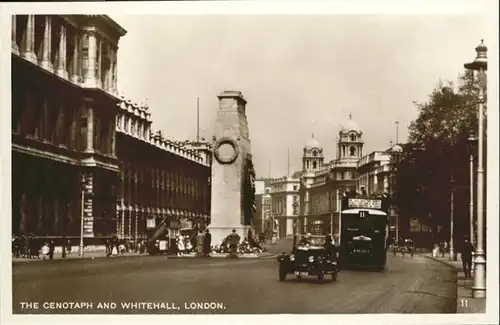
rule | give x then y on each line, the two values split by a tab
89	256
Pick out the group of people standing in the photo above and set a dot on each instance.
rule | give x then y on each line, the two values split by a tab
200	241
28	246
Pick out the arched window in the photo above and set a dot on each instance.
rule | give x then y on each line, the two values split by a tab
352	151
315	153
353	137
314	165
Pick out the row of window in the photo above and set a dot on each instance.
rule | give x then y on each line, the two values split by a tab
156	186
133	127
323	203
60	123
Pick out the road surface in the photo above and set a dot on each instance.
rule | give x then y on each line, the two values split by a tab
225	286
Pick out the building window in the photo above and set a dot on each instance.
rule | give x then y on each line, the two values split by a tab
125	127
314	164
315	153
353	151
132	127
119	122
295	187
353	137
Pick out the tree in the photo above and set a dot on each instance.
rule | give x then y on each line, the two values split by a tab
437	153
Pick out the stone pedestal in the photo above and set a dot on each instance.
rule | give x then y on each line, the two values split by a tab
231	153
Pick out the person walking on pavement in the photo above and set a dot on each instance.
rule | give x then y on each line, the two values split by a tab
45	251
109	248
51	249
180	245
207	242
466	253
69	247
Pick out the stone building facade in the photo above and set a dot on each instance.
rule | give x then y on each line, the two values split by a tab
322	184
78	149
159	178
284	194
63	117
376	175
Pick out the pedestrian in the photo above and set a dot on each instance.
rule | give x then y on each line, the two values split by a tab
69	247
109	248
199	242
189	244
45	251
466	253
207	242
52	247
180	245
114	251
234	240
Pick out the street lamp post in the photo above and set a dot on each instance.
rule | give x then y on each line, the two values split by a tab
472	140
452	221
479	287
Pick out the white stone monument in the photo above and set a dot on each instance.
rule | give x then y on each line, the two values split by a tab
229	168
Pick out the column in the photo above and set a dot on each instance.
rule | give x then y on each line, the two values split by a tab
75	74
15	48
28	45
90	130
45	62
61	66
137	213
115	71
56	228
109	85
99	65
112	135
90	72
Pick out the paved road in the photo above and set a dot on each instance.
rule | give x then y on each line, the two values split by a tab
417	285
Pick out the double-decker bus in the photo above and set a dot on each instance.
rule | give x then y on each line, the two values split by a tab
364	229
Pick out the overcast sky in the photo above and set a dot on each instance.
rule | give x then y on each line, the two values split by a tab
299	74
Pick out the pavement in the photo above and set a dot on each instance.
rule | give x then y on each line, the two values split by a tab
466	304
159	285
273	251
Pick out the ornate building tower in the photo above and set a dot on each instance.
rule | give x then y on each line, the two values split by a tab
350	142
312	159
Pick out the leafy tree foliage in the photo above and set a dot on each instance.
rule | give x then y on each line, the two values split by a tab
436	159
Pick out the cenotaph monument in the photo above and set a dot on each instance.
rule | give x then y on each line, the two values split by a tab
232	169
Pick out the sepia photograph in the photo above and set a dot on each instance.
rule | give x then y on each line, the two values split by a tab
220	159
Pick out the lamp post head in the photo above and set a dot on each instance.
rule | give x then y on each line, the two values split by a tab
481	60
471	140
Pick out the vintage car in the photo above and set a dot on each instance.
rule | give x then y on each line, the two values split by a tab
308	260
